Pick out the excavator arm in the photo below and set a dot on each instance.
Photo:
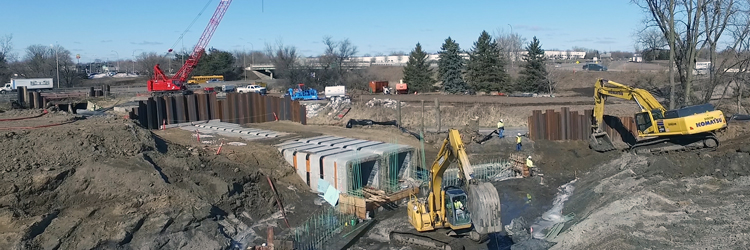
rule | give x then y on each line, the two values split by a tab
643	98
604	88
483	199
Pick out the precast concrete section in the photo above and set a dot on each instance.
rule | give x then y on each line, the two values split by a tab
347	163
227	129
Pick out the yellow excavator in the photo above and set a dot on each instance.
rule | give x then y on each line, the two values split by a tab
660	130
447	215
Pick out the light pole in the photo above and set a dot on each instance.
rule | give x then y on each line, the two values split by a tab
118	61
513	44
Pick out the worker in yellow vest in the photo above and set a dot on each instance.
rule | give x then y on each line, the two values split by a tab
518	142
530	165
500	129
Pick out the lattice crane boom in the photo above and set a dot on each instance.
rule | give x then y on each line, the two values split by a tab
160	82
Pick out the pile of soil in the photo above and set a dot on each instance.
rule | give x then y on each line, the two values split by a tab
690	200
107	183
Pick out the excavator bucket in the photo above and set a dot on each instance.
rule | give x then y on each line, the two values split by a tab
484	206
601	142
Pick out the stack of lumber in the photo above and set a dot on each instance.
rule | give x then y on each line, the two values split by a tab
519	164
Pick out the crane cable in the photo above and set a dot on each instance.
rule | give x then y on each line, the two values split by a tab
191	25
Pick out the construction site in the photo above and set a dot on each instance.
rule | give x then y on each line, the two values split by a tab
161	164
248	171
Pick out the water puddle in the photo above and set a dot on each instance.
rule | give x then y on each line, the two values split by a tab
554	215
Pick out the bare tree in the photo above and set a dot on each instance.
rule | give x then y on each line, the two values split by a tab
336	61
509	44
147	60
687	34
42	61
718	16
6	48
286	62
652	40
735	59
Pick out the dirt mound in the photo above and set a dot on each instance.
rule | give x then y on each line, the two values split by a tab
106	183
681	201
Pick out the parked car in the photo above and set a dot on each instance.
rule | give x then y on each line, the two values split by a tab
594	67
228	88
252	88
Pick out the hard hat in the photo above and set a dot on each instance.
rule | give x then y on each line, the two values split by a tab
529	156
501	120
519	134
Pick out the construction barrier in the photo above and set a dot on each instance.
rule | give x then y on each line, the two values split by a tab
567	125
237	108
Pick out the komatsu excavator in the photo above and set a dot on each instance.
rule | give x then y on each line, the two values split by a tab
448	214
660	130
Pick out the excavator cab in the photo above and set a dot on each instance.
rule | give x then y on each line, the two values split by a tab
643	121
457	213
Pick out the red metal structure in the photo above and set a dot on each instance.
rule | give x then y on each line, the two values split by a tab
160	82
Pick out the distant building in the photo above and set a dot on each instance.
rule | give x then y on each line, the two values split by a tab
402	60
636	58
555	55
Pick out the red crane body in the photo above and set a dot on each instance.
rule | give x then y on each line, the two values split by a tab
160	82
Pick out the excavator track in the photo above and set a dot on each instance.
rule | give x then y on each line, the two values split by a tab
706	141
428	240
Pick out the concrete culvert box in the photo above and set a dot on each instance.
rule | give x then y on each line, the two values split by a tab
314	161
351	169
348	163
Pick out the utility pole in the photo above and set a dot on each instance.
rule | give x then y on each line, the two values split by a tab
118	61
244	64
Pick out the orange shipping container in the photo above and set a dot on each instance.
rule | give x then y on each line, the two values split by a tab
377	86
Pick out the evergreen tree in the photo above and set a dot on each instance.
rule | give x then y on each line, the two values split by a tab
486	69
217	62
534	73
417	72
451	67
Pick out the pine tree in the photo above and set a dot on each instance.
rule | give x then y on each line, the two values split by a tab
451	67
534	73
486	69
417	72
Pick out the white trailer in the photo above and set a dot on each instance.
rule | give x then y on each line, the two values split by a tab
30	84
337	91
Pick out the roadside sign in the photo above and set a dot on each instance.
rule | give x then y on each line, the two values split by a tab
78	56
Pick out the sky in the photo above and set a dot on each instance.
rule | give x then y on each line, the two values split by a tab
110	30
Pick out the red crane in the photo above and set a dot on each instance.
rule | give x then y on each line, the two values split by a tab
162	83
